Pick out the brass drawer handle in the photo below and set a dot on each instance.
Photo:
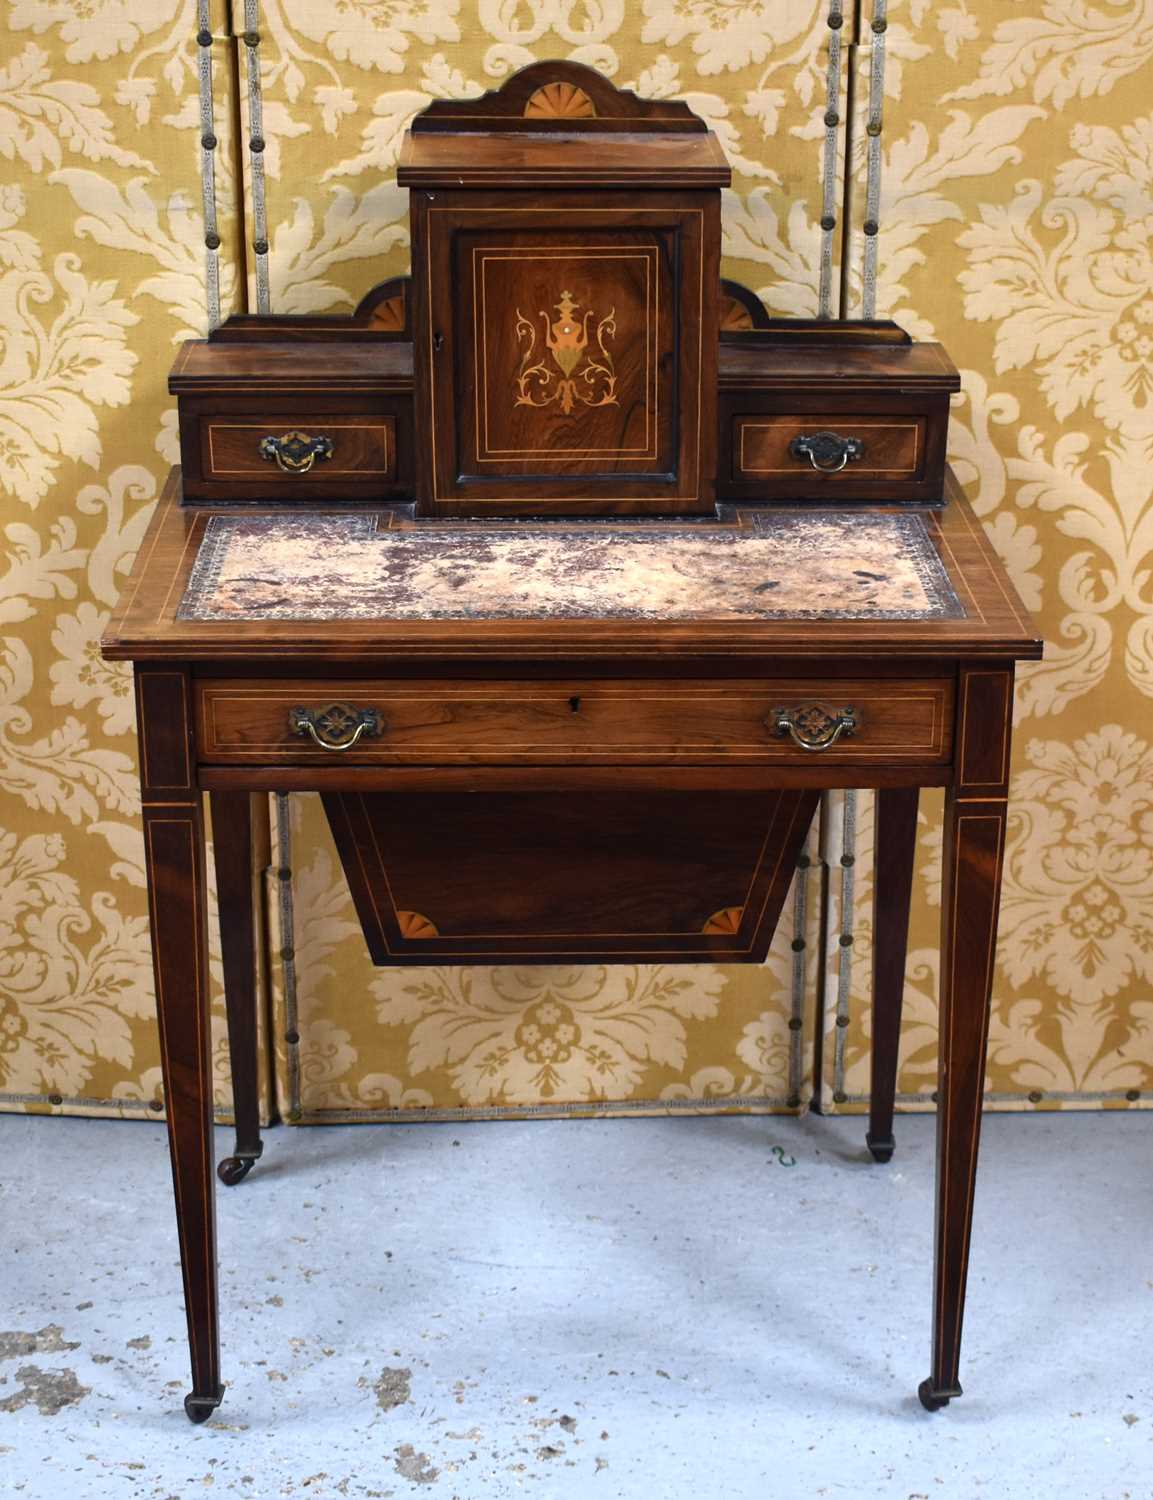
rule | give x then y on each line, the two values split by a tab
337	727
827	452
295	452
814	727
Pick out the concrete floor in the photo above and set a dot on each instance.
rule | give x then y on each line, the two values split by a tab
651	1308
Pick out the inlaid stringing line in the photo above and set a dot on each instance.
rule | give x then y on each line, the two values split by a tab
829	176
776	871
982	1052
202	1087
698	214
256	154
485	256
873	126
208	162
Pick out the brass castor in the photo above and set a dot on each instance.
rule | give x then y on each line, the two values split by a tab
882	1146
235	1168
200	1408
932	1399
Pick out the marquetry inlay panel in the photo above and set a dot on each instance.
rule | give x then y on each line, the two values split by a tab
578	382
557	885
570	368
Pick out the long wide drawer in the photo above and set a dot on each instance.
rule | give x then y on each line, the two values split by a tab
577	721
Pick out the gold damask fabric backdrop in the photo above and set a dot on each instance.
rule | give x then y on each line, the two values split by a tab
1015	224
103	269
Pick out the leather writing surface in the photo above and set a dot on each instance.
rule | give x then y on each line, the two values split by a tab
818	565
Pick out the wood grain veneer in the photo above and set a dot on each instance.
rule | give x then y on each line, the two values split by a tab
583	721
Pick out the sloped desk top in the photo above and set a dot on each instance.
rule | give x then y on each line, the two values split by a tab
249	584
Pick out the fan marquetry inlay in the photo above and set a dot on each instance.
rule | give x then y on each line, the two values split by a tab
388	316
559	101
413	924
734	317
726	921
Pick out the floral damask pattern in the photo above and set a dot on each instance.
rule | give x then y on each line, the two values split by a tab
728	36
102	260
1077	908
1066	274
540	1033
370	33
58	368
1016	222
1030	258
72	977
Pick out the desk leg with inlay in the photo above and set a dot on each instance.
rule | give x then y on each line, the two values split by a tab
974	847
177	898
232	846
896	842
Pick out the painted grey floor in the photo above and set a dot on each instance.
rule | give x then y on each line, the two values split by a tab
613	1309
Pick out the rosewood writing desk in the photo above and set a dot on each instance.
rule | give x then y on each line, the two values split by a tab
490	567
556	788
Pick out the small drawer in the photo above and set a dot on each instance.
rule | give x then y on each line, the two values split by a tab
274	448
832	447
288	447
881	447
576	722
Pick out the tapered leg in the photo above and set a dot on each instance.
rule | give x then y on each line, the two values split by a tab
974	846
177	895
896	820
232	847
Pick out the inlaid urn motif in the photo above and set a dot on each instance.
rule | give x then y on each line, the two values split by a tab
586	372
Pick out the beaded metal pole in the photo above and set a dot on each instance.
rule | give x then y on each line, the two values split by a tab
873	126
801	968
251	39
871	229
829	175
208	143
286	913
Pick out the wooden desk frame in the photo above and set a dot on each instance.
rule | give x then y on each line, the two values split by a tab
978	651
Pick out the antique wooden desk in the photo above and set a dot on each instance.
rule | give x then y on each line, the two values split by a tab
551	740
